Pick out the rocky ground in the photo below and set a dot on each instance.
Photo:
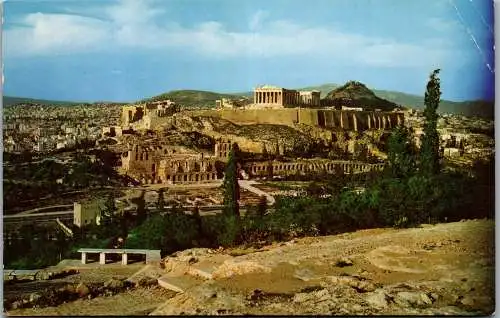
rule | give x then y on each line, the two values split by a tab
444	269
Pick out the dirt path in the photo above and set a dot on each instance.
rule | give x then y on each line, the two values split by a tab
245	184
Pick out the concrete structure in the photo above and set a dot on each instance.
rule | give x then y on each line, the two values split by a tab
151	255
278	168
87	212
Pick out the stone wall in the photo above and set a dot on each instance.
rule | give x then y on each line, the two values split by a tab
331	119
278	168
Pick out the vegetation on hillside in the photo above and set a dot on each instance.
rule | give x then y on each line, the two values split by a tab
192	98
356	94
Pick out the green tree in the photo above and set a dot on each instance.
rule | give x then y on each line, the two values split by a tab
161	199
230	219
141	207
230	184
262	206
429	151
109	224
401	153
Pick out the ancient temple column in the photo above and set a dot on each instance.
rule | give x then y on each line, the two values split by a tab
384	122
369	122
355	122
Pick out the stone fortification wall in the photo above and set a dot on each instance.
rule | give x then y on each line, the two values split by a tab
325	118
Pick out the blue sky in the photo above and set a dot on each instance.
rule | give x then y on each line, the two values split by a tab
127	50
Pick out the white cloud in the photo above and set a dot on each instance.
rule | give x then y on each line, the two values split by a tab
132	25
257	19
442	25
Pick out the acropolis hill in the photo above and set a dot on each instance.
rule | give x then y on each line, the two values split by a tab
277	106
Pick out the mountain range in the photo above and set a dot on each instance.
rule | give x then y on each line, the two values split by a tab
197	98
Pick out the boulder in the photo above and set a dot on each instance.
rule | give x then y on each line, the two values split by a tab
82	290
343	262
17	304
467	301
234	268
304	274
34	297
377	299
362	286
114	284
415	299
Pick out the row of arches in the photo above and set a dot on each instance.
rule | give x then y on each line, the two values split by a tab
333	167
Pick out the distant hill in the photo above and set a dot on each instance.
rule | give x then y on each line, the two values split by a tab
193	98
356	94
9	101
478	108
197	98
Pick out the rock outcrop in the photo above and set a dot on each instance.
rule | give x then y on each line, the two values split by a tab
343	275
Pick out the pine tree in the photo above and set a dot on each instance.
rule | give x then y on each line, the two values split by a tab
429	151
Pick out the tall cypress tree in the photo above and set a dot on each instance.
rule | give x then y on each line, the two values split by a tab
429	151
401	154
231	186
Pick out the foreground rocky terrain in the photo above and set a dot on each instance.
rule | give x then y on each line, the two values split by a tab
443	269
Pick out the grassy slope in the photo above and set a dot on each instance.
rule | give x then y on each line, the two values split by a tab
193	98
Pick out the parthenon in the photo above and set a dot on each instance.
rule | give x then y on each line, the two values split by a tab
281	97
